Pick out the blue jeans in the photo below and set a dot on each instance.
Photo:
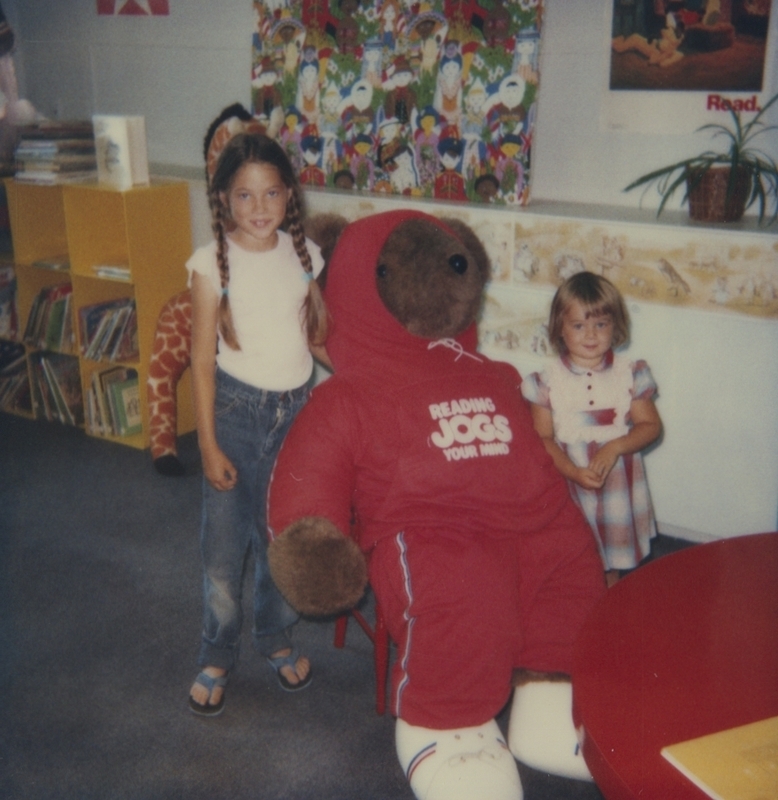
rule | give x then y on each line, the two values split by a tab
250	427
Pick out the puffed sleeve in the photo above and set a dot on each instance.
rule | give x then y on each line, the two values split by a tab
535	389
643	384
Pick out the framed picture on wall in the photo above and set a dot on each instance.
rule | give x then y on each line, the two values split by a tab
388	97
696	45
673	65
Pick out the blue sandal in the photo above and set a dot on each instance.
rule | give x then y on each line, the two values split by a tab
209	709
279	662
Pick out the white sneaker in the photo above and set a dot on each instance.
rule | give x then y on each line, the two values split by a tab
541	732
460	764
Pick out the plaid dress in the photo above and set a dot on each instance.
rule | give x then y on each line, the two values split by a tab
590	407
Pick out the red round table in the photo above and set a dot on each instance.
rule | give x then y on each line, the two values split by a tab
684	646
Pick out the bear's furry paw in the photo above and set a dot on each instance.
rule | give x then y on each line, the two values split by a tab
316	568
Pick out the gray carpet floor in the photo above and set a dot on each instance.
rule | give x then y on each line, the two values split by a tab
99	627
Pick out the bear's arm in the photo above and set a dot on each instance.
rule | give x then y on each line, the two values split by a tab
314	562
314	472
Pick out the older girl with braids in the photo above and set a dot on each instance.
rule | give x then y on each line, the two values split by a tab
257	315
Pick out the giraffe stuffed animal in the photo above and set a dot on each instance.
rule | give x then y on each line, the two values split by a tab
170	357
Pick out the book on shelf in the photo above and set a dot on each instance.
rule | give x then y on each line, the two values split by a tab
736	764
55	129
56	263
53	335
90	319
125	400
60	407
40	393
14	382
48	148
62	164
109	330
114	404
114	272
120	142
46	178
49	324
56	383
9	319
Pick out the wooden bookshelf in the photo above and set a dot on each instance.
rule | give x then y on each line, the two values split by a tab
145	230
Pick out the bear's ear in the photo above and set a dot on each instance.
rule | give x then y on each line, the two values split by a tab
324	230
472	243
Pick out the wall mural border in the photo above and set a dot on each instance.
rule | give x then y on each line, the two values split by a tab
688	267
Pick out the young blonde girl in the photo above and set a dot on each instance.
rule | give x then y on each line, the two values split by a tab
255	309
594	410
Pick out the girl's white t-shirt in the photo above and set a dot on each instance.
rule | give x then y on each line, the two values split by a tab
267	291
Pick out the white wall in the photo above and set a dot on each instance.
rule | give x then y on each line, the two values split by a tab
180	71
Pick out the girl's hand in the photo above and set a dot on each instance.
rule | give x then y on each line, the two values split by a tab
587	478
218	469
646	427
603	460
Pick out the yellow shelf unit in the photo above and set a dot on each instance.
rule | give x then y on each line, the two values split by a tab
145	230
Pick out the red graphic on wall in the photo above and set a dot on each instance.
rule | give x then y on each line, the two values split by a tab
137	8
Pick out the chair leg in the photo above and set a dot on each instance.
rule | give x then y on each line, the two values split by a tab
381	659
340	630
379	636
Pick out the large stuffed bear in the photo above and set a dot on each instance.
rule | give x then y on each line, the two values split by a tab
416	466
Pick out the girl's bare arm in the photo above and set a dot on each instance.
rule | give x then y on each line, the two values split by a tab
218	469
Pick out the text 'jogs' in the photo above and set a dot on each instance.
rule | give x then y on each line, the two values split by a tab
463	423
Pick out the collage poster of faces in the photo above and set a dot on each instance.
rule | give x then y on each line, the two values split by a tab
423	99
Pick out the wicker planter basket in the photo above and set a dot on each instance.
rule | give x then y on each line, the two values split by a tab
708	201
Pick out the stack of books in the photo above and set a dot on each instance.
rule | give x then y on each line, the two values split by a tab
109	330
113	403
51	152
50	323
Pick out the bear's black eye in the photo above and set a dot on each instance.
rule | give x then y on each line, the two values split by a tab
458	263
381	271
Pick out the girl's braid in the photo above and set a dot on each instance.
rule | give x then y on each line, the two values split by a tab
315	310
295	229
220	215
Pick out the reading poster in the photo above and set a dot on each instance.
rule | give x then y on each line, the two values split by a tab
432	99
708	45
677	64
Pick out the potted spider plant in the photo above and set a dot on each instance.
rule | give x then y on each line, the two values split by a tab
720	186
